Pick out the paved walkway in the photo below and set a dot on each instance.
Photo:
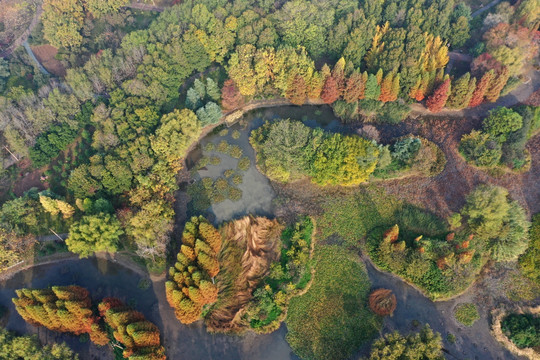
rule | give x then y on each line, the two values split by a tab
34	59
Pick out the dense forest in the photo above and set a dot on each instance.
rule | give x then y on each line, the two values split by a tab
95	153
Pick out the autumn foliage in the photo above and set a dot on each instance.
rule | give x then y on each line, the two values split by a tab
190	286
382	302
62	309
140	337
437	101
231	98
330	91
481	88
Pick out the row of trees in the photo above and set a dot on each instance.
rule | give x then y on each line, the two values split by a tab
139	337
191	284
69	309
62	309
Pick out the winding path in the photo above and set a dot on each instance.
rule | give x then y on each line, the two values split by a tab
473	342
24	36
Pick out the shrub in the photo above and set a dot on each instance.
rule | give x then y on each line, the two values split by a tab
522	329
382	302
236	134
210	147
237	179
228	173
480	149
425	345
223	146
405	149
235	151
393	112
466	313
244	163
215	160
529	262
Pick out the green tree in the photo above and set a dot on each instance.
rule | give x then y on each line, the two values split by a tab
460	92
498	221
99	8
175	134
209	114
14	347
94	233
373	90
344	160
481	149
529	262
459	32
502	121
425	345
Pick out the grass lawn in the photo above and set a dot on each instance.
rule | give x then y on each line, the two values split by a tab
332	319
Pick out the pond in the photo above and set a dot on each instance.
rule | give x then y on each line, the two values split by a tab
216	162
104	278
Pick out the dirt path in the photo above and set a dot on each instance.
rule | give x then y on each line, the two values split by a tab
24	36
485	8
518	95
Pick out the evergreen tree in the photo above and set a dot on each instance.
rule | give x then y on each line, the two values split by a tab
437	101
212	90
296	91
497	84
373	90
481	87
330	91
459	93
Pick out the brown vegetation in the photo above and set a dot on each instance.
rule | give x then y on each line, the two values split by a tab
46	56
382	302
250	245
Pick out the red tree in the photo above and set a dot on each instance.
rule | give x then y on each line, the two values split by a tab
230	96
296	91
355	87
330	92
481	88
437	101
483	63
497	84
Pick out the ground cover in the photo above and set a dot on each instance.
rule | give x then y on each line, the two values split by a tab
332	319
466	313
